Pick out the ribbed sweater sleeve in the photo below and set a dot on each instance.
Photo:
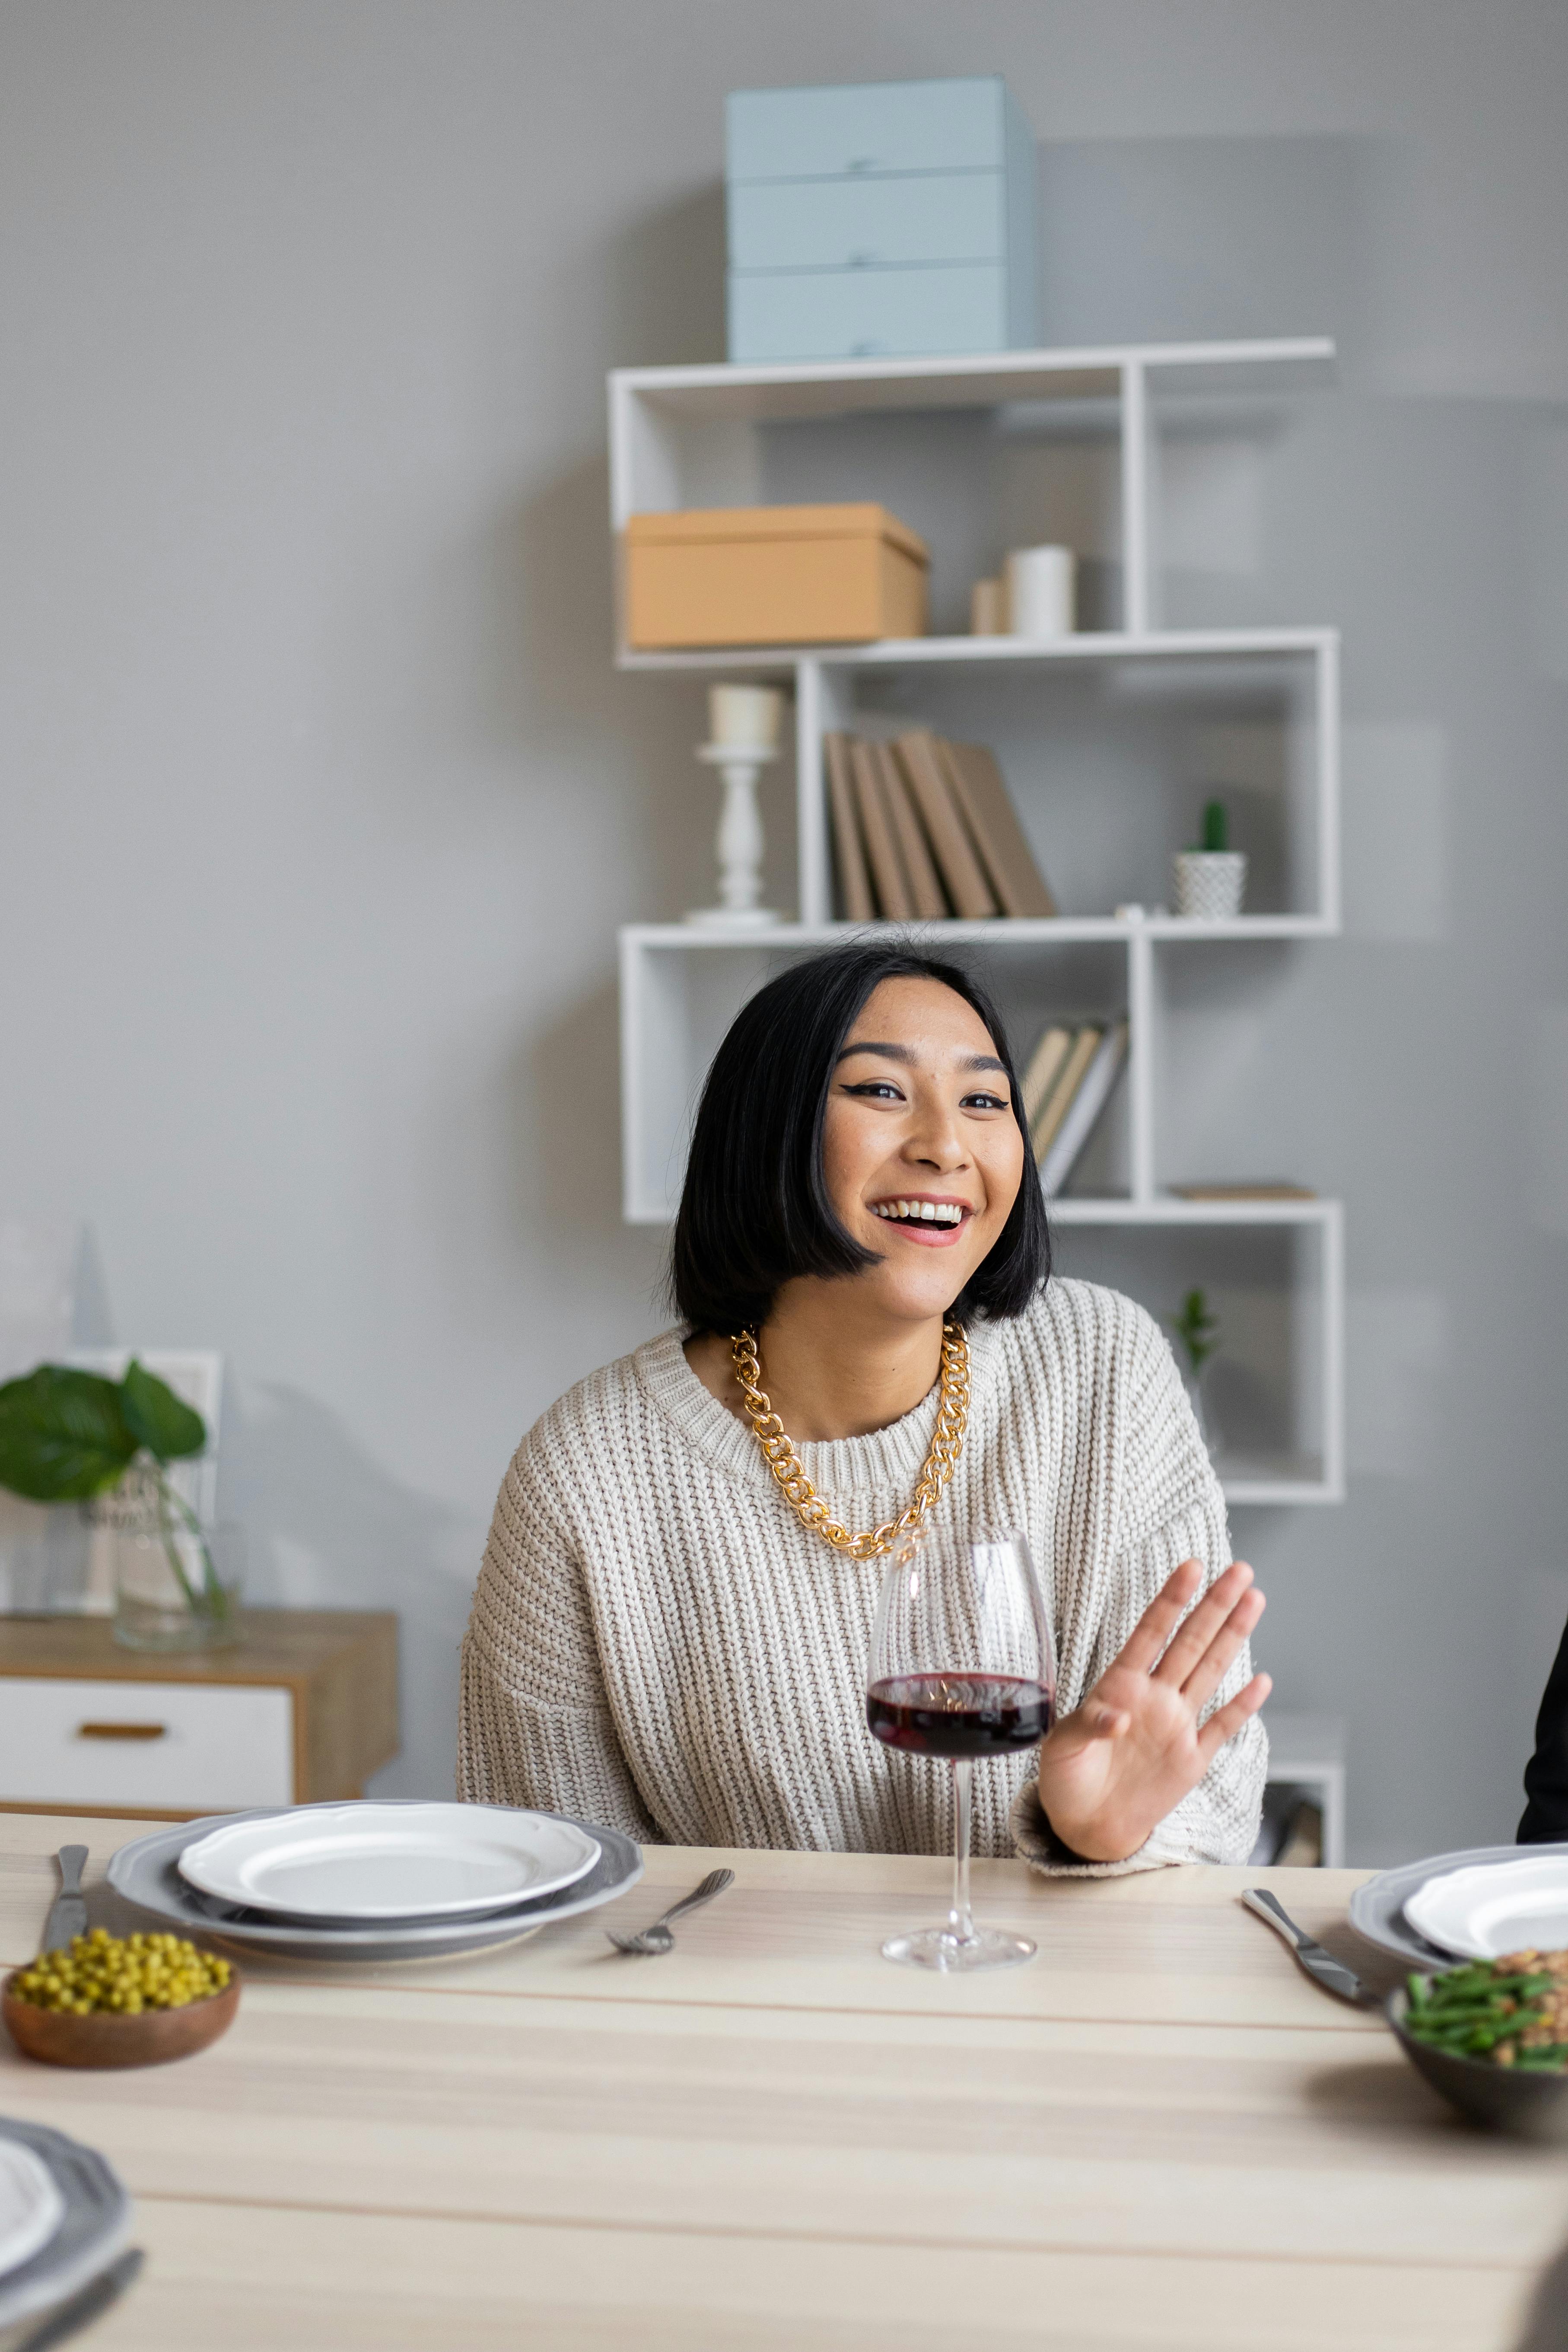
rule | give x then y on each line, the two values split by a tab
1172	1510
535	1726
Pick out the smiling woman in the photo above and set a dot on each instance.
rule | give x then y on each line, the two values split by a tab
670	1637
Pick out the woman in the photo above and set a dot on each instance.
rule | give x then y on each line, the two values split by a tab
659	1641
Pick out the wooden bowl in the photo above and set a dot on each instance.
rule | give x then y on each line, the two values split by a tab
1526	2105
62	2038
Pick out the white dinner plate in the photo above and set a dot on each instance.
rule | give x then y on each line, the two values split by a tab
389	1862
1494	1908
31	2206
94	2225
146	1875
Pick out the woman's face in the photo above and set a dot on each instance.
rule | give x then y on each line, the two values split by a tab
921	1152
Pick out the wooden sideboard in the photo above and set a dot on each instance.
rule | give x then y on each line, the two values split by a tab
304	1707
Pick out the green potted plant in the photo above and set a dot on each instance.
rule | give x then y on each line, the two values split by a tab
73	1436
1196	1333
1211	878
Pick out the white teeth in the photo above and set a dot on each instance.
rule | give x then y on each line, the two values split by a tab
923	1213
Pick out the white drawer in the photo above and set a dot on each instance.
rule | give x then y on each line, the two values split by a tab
157	1747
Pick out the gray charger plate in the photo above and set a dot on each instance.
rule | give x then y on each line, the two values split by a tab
1377	1908
96	2225
146	1873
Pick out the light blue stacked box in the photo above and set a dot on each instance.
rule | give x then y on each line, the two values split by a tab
880	220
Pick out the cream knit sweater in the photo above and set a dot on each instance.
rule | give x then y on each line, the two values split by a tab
656	1641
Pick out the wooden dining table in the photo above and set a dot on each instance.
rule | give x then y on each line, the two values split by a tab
1157	2133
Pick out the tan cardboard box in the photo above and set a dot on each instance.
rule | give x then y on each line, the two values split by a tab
772	576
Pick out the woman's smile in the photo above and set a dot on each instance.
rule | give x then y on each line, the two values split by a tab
933	1220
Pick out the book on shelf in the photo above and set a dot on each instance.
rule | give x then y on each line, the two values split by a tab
1043	1069
848	850
992	819
1245	1188
923	828
920	756
925	889
1090	1094
1057	1101
889	880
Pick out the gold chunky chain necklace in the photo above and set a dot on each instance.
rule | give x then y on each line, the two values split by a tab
810	1508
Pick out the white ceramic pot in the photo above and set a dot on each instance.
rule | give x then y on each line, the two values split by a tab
1210	884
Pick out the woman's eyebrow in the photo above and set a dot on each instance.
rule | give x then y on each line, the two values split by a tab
889	1053
905	1055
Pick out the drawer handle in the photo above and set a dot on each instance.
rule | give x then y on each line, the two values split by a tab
122	1731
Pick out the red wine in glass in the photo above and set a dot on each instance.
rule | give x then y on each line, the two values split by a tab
958	1715
962	1667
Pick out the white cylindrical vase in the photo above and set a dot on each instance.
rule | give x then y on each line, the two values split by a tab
1209	884
1042	592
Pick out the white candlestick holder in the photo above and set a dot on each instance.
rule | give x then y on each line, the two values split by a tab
739	844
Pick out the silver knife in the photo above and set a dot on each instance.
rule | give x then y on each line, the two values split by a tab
1320	1965
68	1912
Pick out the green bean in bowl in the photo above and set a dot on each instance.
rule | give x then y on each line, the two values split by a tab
1512	2011
1491	2038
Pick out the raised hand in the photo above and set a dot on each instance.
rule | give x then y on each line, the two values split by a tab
1112	1771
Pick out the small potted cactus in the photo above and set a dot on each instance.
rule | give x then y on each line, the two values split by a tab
1211	880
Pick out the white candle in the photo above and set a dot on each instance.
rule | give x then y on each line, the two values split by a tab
1040	599
745	716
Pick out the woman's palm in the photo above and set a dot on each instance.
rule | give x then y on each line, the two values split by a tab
1112	1771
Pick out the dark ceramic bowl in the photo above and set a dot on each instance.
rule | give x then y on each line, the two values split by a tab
1527	2105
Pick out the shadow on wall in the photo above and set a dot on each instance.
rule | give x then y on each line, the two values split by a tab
564	1132
664	284
1176	240
329	1528
625	741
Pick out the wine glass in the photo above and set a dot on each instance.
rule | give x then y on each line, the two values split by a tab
962	1665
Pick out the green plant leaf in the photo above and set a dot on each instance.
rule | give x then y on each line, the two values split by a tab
159	1420
63	1436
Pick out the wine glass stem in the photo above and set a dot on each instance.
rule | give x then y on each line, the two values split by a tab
961	1919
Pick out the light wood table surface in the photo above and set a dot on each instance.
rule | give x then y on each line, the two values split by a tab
1158	2133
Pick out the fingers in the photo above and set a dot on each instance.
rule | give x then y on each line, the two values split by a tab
1223	1651
1161	1619
1226	1721
1190	1643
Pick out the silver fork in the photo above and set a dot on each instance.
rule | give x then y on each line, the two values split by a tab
658	1938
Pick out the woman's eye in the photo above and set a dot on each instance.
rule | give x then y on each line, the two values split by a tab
876	1089
985	1102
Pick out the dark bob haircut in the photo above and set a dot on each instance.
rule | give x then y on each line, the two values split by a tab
754	1210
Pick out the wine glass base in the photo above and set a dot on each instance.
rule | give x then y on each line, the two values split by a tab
939	1948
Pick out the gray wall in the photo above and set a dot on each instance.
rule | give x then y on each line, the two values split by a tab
322	802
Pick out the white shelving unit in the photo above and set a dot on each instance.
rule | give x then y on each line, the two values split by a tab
1307	1752
1135	715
